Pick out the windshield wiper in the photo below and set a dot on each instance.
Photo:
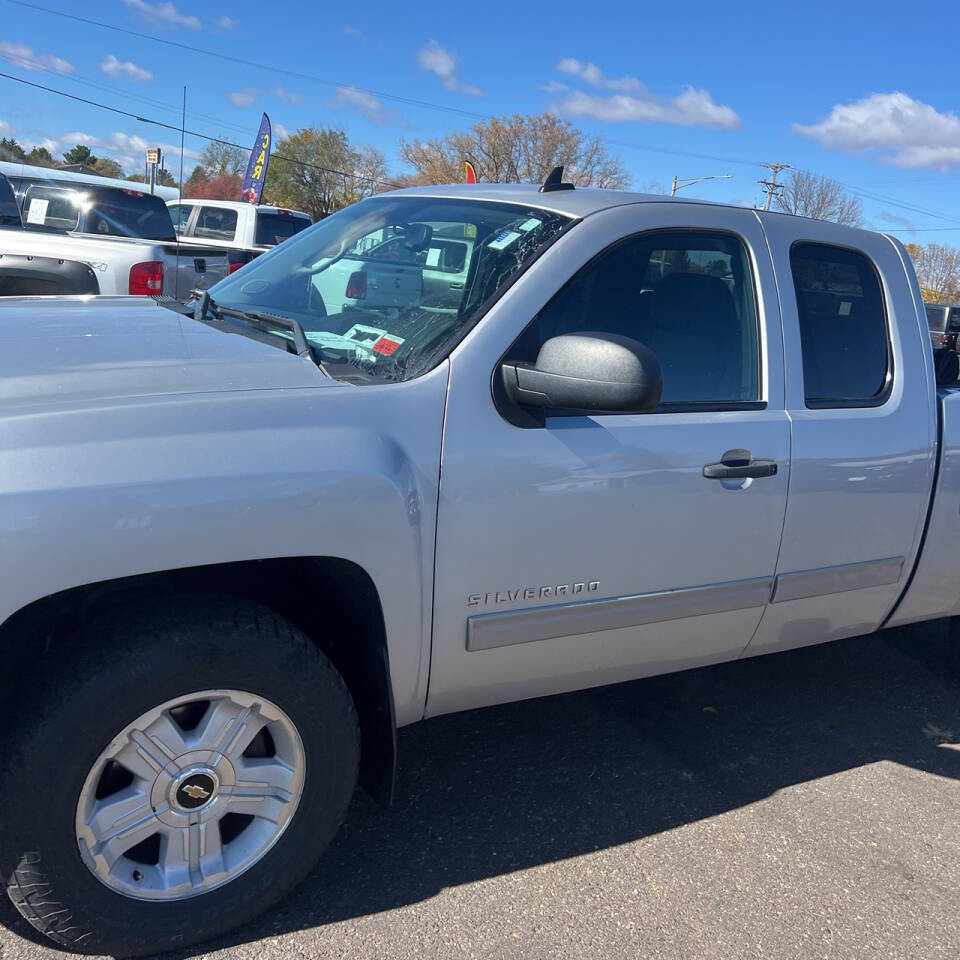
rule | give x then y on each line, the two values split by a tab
206	304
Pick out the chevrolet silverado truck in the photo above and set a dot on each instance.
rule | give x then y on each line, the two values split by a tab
241	547
125	236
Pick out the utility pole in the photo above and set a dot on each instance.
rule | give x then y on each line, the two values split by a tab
772	187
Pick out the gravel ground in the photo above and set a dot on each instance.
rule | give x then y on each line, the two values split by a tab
800	805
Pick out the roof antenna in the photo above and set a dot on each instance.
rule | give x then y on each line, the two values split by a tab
555	181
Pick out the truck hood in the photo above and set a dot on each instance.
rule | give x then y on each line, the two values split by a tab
64	350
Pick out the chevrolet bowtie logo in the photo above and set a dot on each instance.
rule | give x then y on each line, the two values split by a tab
195	792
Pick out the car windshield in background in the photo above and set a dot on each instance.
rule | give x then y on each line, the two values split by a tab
384	288
108	211
274	228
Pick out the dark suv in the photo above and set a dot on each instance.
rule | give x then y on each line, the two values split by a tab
944	322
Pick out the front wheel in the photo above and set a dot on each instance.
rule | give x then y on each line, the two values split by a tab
182	772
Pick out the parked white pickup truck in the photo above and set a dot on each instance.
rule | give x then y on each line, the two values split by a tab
125	236
243	228
241	546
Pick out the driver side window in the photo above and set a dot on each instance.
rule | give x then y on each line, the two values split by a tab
688	296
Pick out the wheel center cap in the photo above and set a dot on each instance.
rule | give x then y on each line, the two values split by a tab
194	789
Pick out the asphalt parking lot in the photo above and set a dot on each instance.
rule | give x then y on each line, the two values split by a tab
801	805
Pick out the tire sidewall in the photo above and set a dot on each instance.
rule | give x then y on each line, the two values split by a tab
103	696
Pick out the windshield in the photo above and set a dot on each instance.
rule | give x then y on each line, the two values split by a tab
384	288
109	211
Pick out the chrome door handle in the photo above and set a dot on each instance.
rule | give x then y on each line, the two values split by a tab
739	464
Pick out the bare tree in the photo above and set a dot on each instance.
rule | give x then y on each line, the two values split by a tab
811	195
938	270
517	149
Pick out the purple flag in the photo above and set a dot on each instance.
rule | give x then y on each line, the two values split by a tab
257	167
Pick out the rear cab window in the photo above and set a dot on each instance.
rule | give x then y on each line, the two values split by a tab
275	226
216	223
844	332
109	211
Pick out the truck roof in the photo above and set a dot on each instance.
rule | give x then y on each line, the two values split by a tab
236	205
579	202
576	203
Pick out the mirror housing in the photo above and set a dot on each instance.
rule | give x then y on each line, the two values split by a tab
588	372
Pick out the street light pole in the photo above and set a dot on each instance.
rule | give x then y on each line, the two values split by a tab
680	184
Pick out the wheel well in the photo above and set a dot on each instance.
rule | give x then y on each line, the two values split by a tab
350	630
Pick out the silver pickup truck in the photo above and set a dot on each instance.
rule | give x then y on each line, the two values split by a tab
125	236
241	547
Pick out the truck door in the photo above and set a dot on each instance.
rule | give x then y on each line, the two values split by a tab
860	396
581	550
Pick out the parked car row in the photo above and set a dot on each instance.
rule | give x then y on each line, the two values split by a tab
64	238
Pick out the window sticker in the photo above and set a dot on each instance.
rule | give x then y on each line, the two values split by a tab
505	239
530	224
37	211
387	346
845	307
433	257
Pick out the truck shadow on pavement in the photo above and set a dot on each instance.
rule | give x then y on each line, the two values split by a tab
492	791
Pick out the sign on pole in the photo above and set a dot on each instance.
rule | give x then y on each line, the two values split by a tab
153	155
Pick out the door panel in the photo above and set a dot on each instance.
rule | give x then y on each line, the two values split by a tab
592	549
860	476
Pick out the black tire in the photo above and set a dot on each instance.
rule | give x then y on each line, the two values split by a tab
116	669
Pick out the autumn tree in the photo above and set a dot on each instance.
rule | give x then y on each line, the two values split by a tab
517	149
820	198
938	270
318	170
218	159
40	157
224	187
105	167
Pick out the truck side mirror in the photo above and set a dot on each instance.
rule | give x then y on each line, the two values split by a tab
587	371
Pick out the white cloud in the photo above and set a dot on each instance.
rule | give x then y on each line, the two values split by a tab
350	98
280	132
164	13
242	98
125	68
693	108
628	101
291	96
434	59
592	74
22	56
352	31
128	150
913	133
225	23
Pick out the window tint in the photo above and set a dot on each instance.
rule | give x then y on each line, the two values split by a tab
843	326
180	214
687	296
9	210
274	228
216	223
954	319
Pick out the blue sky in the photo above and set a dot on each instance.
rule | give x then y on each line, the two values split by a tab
853	90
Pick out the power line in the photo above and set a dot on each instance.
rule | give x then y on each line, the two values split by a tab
192	133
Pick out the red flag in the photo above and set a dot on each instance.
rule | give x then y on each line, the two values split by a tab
470	173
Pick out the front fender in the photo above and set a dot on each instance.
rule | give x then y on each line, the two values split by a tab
98	491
